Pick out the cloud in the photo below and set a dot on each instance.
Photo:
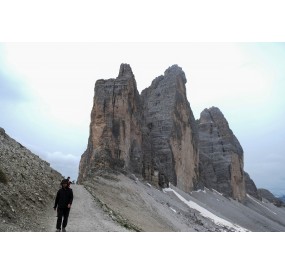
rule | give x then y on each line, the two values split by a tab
65	163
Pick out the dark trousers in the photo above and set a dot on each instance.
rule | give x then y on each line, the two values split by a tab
62	213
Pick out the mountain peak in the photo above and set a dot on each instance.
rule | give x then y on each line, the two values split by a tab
125	70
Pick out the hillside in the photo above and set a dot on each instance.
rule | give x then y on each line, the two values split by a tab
27	185
142	207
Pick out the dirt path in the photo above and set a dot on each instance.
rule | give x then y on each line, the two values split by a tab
85	215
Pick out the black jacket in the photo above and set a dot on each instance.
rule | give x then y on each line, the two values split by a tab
64	197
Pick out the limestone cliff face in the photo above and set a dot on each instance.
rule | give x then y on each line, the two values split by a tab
153	135
221	155
250	186
172	136
115	129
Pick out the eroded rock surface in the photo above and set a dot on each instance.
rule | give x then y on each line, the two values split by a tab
172	133
250	186
221	155
115	129
153	135
266	194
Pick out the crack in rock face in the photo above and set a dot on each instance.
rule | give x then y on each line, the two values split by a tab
153	134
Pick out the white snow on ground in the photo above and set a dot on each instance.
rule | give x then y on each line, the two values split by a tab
207	214
217	192
173	209
198	191
252	198
136	179
148	184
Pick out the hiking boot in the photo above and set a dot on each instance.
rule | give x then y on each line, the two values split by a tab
63	230
57	230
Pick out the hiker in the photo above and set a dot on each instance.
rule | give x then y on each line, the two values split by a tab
63	201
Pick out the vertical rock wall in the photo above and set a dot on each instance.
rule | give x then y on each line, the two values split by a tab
153	135
172	131
250	186
115	129
221	156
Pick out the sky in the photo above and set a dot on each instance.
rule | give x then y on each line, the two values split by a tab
47	89
44	89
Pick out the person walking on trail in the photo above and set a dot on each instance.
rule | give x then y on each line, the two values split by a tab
63	201
66	180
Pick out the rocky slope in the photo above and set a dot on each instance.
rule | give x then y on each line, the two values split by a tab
221	155
140	206
282	198
28	184
267	195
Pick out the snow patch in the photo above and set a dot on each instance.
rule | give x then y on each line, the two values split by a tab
217	192
148	184
135	178
198	191
207	214
255	200
173	209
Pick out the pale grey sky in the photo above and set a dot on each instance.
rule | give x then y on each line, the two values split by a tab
258	126
46	94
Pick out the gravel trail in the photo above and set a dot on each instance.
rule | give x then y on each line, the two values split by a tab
85	215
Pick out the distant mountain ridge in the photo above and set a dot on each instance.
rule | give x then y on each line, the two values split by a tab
266	194
282	198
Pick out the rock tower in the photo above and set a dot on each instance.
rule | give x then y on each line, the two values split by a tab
221	155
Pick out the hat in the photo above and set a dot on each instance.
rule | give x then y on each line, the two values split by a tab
64	181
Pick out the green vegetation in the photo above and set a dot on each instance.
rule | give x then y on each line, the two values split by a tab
3	177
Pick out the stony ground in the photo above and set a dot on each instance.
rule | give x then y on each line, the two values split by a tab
27	186
86	215
141	207
120	203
